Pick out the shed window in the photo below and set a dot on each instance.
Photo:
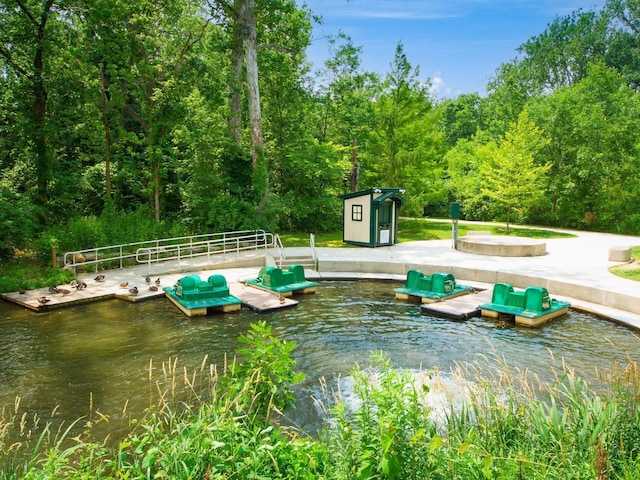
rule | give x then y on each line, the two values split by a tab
356	213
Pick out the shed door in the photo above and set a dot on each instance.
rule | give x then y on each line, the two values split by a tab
384	222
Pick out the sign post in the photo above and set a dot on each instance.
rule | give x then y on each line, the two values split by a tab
454	212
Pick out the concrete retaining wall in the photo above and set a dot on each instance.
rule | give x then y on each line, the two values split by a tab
555	287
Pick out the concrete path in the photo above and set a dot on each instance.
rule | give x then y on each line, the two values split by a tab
574	269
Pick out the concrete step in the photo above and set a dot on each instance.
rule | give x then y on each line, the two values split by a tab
305	260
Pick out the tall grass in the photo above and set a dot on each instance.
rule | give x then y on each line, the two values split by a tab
484	420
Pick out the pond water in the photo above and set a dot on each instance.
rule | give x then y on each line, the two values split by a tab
99	355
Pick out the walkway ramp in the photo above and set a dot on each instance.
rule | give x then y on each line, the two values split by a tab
259	300
458	308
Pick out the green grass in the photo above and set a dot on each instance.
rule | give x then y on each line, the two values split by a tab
630	272
30	274
416	229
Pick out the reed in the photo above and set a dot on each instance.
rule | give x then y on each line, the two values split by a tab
483	420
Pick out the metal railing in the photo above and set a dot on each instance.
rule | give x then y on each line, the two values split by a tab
277	243
179	248
314	254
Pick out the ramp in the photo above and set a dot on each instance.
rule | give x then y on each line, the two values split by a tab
458	308
259	300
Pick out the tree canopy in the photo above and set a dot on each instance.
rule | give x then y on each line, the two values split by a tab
207	114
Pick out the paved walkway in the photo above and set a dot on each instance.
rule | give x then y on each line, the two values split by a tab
575	269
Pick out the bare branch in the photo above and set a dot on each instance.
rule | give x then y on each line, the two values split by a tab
28	13
141	121
7	55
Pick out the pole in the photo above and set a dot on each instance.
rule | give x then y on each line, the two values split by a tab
454	233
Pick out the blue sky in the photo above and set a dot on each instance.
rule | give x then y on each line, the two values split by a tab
458	44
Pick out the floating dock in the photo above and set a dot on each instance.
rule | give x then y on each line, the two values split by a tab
458	308
253	298
258	299
195	297
42	299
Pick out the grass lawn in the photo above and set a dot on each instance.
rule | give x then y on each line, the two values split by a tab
413	229
630	270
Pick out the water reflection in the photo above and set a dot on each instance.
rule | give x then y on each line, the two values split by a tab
101	353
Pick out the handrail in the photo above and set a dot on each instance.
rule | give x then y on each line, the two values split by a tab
277	243
161	250
314	254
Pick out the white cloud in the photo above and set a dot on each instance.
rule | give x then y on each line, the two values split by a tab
439	89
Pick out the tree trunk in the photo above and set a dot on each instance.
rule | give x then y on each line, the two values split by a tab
40	96
235	97
249	24
253	90
107	135
355	169
155	169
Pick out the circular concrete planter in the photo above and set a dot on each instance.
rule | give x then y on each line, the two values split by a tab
502	246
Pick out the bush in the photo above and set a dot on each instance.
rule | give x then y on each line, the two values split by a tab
497	425
17	223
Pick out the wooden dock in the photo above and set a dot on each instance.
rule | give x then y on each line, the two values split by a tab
458	308
258	299
42	299
253	298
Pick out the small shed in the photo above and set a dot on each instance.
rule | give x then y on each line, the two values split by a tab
370	216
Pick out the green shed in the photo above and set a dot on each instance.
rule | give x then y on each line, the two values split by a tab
370	217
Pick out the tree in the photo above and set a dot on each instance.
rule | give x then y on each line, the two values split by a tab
624	40
561	55
25	45
345	95
461	117
247	21
508	172
592	128
404	147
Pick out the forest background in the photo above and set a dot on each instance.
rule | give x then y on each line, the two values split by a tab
195	116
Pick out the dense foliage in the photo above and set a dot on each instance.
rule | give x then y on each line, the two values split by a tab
485	421
205	114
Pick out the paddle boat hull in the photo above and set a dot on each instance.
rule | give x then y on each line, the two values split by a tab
531	307
195	297
430	289
285	283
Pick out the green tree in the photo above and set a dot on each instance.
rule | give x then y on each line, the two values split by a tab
461	117
509	174
508	93
345	95
405	146
593	151
561	55
27	42
623	51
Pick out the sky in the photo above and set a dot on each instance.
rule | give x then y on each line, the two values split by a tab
457	44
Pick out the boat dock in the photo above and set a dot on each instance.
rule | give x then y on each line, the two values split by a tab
258	299
110	288
459	308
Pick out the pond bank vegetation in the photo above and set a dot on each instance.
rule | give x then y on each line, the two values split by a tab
509	426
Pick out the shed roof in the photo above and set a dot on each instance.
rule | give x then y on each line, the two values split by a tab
387	193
